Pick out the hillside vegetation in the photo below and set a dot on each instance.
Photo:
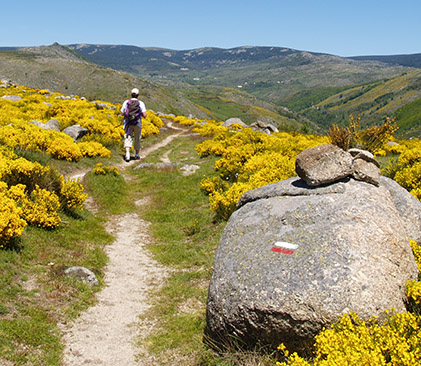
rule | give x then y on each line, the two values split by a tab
295	90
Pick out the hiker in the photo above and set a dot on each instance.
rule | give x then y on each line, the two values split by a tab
133	110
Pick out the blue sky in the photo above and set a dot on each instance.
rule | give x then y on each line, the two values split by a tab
344	28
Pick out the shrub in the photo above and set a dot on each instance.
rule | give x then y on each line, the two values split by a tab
371	139
406	170
101	169
41	209
71	194
11	221
93	148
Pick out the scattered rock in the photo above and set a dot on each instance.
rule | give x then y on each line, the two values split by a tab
144	165
264	127
76	132
293	258
392	143
52	124
230	121
165	165
82	274
189	169
12	98
36	123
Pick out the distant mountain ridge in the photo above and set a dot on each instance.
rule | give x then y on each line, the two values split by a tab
410	60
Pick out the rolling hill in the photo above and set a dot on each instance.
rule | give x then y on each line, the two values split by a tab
59	69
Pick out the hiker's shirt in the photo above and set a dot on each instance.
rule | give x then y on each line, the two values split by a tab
142	110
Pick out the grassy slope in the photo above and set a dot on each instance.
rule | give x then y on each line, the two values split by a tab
398	97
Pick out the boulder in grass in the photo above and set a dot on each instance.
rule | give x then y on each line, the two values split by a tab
82	274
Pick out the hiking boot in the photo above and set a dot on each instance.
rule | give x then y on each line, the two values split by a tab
136	157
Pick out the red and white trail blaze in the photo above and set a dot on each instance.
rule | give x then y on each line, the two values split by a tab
284	247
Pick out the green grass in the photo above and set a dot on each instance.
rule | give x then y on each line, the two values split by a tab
112	192
409	118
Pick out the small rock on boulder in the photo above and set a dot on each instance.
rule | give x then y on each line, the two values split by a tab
323	164
366	168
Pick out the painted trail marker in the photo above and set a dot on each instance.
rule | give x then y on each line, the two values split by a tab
284	247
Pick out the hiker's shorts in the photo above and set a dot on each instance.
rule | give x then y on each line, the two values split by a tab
133	133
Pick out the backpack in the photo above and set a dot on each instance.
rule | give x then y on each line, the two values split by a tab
132	113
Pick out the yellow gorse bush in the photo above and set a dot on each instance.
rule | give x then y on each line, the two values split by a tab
248	160
406	170
32	193
11	222
103	121
71	193
351	341
41	209
101	169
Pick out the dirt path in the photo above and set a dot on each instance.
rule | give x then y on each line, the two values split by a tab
105	333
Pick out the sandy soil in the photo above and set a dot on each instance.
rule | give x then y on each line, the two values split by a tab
106	333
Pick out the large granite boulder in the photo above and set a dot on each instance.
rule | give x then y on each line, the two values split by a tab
293	258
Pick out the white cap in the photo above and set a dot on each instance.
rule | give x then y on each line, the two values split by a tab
135	91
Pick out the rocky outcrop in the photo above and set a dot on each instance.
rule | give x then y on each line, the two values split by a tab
293	257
